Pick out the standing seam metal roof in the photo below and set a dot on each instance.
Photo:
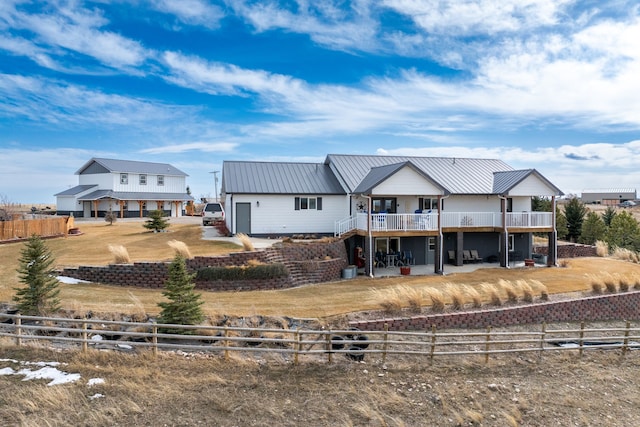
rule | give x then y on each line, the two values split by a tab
240	177
457	175
130	166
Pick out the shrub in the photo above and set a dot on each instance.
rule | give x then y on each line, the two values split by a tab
181	248
156	221
247	244
437	299
510	289
609	283
248	272
110	217
456	295
388	299
413	296
540	287
473	295
602	249
120	254
492	292
526	289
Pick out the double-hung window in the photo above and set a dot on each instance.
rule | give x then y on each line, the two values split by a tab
160	179
124	178
308	203
143	179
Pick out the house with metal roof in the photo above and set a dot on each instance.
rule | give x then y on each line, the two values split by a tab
397	209
128	188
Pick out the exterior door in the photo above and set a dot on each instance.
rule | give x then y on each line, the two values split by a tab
431	250
243	218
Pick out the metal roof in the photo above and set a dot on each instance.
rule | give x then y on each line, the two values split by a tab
379	174
240	177
609	190
131	166
75	190
455	175
126	195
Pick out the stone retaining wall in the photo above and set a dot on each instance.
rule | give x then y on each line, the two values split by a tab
306	262
569	251
622	306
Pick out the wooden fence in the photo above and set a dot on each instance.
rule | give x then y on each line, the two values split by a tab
318	344
44	227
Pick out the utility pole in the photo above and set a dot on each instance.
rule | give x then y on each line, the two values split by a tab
215	183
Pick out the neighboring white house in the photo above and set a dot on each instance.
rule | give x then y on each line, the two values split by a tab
428	208
128	188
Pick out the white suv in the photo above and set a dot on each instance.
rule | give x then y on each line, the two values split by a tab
212	212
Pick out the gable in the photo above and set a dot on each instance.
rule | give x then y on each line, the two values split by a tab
532	185
93	168
406	181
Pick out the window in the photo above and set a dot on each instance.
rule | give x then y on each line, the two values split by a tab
428	203
124	178
160	179
383	205
509	205
307	203
143	179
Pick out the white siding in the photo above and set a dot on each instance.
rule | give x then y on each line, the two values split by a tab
532	186
172	184
472	204
104	181
66	203
276	214
406	182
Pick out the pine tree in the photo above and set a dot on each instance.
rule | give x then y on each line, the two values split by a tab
184	307
624	232
40	295
156	221
593	229
574	212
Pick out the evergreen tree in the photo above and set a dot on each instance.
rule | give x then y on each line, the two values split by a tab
561	225
540	204
110	217
574	212
40	295
184	307
624	232
608	215
593	229
156	221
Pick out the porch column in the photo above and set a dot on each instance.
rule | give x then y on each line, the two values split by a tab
504	250
459	247
141	205
121	203
95	208
552	249
438	266
368	266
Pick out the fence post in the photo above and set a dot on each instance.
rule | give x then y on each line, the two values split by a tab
433	343
18	330
543	336
297	346
329	349
625	346
154	339
486	346
84	337
385	343
226	343
581	338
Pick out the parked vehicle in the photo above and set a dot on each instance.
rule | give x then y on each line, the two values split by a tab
627	204
212	212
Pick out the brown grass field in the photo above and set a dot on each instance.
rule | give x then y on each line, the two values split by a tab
559	389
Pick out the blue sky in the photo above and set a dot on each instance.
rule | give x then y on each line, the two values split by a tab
546	84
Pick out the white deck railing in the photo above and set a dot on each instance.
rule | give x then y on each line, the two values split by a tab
429	221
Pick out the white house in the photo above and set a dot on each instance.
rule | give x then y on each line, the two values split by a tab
426	209
129	188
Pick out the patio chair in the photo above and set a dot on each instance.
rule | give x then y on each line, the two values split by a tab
380	260
407	258
452	257
466	256
475	257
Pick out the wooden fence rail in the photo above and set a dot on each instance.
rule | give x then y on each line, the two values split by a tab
294	343
24	228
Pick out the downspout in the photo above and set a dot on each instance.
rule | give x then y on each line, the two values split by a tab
440	233
369	234
555	231
506	232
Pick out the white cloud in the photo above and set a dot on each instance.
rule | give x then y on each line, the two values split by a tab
70	28
206	147
193	12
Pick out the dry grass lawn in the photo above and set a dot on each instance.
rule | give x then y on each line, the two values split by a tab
92	248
